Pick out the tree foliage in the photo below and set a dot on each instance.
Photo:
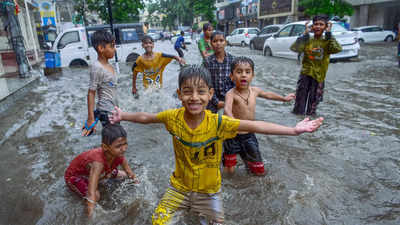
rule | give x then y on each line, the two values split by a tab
329	7
123	11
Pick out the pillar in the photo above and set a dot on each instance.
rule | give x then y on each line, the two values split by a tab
364	9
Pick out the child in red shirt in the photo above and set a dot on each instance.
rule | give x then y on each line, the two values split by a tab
88	168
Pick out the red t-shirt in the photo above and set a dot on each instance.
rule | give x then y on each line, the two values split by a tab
79	165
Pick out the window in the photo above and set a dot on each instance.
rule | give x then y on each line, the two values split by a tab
367	30
68	38
338	28
129	35
298	30
253	31
376	29
274	29
240	31
285	32
234	32
264	31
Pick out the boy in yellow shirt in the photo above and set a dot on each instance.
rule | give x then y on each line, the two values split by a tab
197	136
151	65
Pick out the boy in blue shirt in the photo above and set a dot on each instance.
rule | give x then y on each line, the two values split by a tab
180	43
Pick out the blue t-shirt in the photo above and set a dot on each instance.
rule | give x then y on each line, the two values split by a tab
179	41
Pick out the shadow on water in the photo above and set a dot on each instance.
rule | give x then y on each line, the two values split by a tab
346	173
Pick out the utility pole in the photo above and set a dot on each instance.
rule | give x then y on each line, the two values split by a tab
112	31
17	39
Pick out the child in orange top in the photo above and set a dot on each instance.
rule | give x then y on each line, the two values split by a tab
151	64
240	103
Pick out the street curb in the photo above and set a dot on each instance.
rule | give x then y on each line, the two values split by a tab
9	100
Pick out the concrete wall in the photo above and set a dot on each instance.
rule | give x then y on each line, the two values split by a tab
382	14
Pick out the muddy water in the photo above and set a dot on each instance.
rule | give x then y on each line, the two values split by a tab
346	173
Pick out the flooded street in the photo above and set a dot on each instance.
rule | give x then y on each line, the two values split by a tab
348	172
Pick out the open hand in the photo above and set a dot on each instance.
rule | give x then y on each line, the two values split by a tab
116	115
290	97
307	30
181	61
328	29
308	125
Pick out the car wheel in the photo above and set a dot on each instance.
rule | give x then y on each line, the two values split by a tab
389	38
132	57
252	46
243	44
361	41
228	43
267	51
78	63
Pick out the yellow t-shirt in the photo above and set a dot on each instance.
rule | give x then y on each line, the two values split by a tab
198	151
152	69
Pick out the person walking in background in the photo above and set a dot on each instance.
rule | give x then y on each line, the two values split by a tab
180	43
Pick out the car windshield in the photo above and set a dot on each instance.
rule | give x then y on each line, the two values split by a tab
338	28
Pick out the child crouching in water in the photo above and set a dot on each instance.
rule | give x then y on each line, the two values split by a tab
240	103
88	168
197	136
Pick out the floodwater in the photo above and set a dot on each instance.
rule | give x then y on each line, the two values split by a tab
348	172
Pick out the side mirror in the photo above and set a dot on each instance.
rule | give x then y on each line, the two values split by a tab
275	35
60	46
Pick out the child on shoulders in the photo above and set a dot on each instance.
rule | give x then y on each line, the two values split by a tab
151	65
240	103
197	136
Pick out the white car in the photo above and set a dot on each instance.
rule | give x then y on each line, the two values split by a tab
242	36
279	44
373	34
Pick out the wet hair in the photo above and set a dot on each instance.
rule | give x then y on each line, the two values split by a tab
206	26
320	17
196	73
240	60
147	38
112	132
215	33
101	37
182	32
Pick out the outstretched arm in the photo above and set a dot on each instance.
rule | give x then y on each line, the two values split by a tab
136	117
177	58
261	127
274	96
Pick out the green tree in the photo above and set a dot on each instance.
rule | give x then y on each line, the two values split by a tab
329	7
123	11
206	9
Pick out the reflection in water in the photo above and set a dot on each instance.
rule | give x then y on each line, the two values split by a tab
346	173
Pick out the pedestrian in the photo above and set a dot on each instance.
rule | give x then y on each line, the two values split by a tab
151	65
103	81
240	103
180	43
204	43
88	168
197	136
219	65
317	51
145	27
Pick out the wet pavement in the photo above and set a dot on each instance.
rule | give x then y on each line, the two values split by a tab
346	173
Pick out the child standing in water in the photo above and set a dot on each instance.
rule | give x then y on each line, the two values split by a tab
180	43
317	51
151	65
88	168
204	44
240	103
103	80
219	65
197	136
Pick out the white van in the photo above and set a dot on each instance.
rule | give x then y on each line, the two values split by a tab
75	47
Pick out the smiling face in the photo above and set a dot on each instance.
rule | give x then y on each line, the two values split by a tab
148	45
218	43
117	148
318	27
242	75
195	95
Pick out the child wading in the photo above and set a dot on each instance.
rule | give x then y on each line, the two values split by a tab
219	65
240	103
197	136
88	168
151	65
103	80
317	50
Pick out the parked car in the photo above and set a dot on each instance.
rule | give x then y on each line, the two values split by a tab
75	46
257	42
373	34
242	36
279	44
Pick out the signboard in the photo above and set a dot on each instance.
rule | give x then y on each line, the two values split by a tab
47	12
273	7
